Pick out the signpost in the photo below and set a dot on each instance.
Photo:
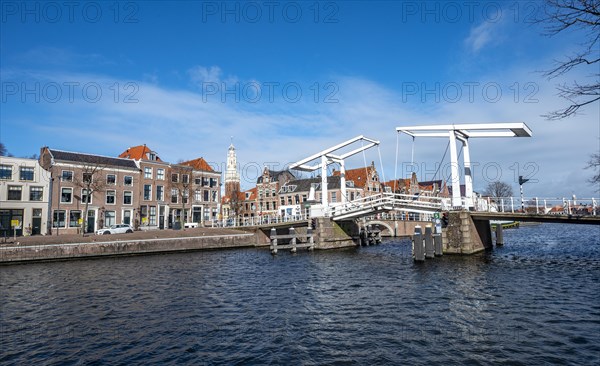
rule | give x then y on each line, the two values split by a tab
15	224
521	182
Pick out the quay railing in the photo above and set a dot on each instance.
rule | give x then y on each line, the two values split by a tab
539	205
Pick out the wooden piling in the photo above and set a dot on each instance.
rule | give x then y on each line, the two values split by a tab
437	243
499	235
273	241
418	247
293	239
429	249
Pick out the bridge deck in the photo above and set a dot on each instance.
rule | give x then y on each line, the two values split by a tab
525	217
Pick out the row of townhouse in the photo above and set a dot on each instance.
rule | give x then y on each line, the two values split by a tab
67	192
280	193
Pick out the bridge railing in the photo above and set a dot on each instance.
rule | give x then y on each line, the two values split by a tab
539	205
389	201
258	220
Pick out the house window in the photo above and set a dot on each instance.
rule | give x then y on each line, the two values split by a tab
160	193
111	179
14	193
144	215
128	180
148	173
185	178
206	197
197	181
174	193
67	176
58	218
185	196
282	201
5	172
213	182
214	196
268	206
152	156
152	216
205	182
127	197
66	195
160	174
198	195
87	177
174	177
147	192
109	218
74	217
85	196
110	197
333	196
36	193
26	173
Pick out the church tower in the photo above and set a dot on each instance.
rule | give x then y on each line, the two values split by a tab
232	177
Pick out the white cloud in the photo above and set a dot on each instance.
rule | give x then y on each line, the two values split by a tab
481	36
181	124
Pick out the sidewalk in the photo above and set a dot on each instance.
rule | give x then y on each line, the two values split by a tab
89	238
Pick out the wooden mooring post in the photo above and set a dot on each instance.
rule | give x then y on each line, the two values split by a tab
293	240
499	235
418	247
429	249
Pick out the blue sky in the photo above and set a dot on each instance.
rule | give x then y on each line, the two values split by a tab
287	79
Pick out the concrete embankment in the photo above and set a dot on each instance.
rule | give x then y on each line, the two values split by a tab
77	247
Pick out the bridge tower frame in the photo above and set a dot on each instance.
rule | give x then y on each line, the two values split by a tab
327	157
463	132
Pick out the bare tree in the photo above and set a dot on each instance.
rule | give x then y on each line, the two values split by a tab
3	151
92	180
498	189
579	16
181	185
594	163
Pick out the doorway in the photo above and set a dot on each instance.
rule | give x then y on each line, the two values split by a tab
36	222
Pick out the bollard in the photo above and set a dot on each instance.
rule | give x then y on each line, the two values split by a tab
363	237
437	243
273	241
429	250
499	235
311	240
293	240
418	248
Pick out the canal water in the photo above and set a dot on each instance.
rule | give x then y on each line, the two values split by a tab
534	301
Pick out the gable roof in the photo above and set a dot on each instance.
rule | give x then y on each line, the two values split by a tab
274	175
83	158
140	152
359	175
198	164
303	185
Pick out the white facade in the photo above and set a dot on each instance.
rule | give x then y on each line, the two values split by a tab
24	196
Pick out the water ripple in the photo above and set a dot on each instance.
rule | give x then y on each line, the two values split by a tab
534	301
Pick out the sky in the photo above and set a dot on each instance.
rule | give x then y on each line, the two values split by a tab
284	80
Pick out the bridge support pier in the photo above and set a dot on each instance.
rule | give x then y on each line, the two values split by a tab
329	235
463	235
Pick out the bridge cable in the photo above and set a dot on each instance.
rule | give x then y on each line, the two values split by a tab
381	164
441	161
396	164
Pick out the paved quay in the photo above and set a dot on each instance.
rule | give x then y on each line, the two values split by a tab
43	248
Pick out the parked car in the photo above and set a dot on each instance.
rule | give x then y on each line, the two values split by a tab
115	229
